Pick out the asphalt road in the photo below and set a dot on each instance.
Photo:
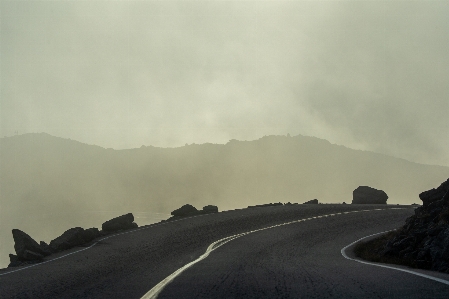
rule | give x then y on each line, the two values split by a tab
300	260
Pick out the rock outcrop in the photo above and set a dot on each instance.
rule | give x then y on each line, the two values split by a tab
119	223
313	201
210	209
185	210
423	241
74	237
29	251
368	195
188	210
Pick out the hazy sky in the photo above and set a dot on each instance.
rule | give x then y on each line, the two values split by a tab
366	74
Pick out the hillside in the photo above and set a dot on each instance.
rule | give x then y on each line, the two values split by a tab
55	180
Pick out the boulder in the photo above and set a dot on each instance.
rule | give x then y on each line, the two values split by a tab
423	241
46	248
118	223
313	201
27	248
210	209
14	261
185	210
70	238
91	233
433	195
368	195
29	255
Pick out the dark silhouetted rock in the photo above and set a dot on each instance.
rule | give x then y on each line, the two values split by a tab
26	248
210	209
118	223
69	239
313	201
185	210
423	241
46	248
91	233
29	255
266	205
14	261
368	195
433	195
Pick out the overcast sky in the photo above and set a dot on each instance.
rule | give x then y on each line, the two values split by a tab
369	75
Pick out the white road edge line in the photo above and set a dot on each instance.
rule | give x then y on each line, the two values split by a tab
343	253
155	291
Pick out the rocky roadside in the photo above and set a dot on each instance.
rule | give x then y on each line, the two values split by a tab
28	251
423	242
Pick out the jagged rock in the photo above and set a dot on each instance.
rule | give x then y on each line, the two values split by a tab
70	238
313	201
185	210
14	261
46	248
25	245
368	195
210	209
433	195
423	241
118	223
29	255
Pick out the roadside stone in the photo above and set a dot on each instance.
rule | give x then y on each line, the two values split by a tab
119	223
312	201
368	195
23	242
210	209
185	210
69	239
29	255
423	241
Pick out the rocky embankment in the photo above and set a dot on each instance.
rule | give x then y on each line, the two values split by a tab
28	251
423	242
188	210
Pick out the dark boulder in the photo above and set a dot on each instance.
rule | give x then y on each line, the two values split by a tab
313	201
185	210
210	209
29	255
27	248
118	223
433	195
14	261
70	238
91	233
368	195
423	241
46	248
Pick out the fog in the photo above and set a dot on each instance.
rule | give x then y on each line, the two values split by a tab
369	75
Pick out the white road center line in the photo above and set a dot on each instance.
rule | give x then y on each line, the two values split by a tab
155	291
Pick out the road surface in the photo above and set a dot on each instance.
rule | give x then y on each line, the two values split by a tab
299	260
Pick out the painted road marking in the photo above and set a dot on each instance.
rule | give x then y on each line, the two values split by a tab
155	291
343	252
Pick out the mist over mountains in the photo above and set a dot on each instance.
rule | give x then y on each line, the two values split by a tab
57	180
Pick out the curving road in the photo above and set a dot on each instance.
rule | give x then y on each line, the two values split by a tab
299	260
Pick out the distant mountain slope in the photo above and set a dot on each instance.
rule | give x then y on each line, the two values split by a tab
42	175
